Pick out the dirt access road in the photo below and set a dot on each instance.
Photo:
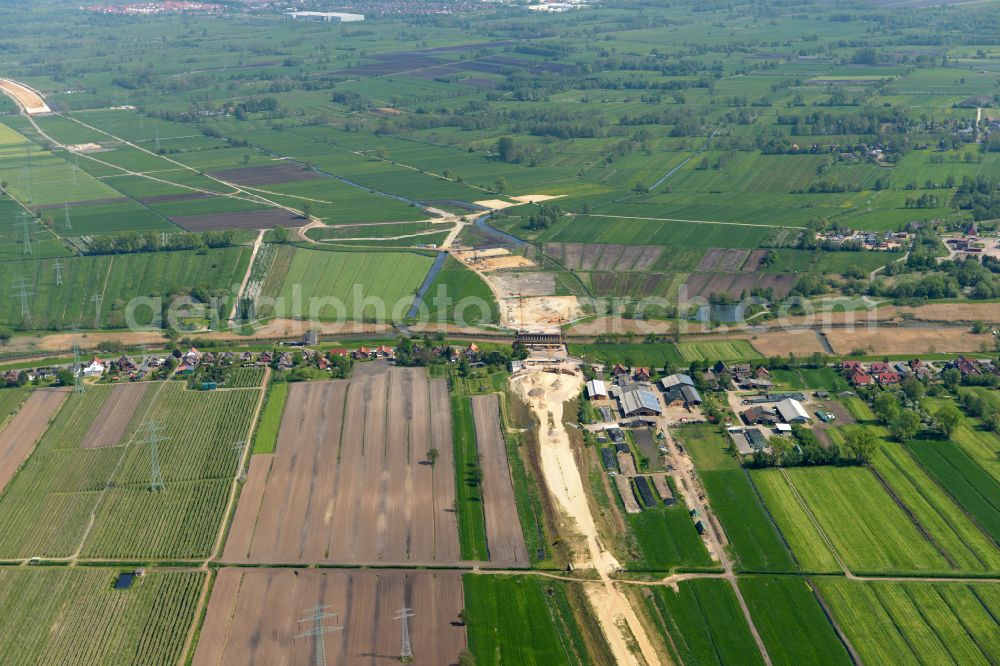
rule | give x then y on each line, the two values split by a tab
545	393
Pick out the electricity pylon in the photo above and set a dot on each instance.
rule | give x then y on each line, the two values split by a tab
22	221
153	435
317	614
23	290
406	650
59	266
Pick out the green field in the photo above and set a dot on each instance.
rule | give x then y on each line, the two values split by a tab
468	482
754	541
869	531
723	350
460	296
962	543
521	620
266	438
791	621
666	539
47	507
703	621
123	285
808	546
10	402
369	286
917	623
973	489
73	616
647	355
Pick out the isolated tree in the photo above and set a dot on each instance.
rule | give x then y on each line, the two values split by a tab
307	210
506	149
280	234
948	417
904	426
432	456
501	185
860	444
466	658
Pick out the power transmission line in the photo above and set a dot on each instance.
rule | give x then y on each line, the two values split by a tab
78	385
317	614
406	650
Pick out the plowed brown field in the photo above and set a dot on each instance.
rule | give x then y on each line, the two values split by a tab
116	413
254	615
18	439
504	537
350	482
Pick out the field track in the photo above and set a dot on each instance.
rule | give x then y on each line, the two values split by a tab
253	617
111	422
504	538
350	482
18	439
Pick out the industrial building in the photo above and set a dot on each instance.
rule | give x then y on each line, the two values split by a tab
638	401
326	17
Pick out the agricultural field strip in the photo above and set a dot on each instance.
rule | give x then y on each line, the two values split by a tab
151	402
238	190
951	530
236	631
405	522
670	219
19	436
504	537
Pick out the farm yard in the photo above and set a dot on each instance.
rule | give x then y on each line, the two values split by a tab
236	631
309	502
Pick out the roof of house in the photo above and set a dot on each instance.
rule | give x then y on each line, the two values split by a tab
633	401
676	380
596	387
759	413
791	410
690	393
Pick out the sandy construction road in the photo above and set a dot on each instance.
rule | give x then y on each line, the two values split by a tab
18	438
545	392
30	101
